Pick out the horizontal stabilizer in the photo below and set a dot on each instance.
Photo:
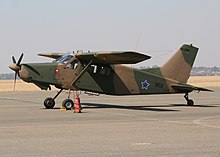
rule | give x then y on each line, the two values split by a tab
114	57
186	88
52	55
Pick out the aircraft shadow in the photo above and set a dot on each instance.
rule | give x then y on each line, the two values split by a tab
179	105
143	108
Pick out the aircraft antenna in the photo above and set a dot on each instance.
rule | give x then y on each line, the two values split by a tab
138	39
166	52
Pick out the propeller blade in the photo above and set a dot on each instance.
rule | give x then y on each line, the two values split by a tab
19	61
13	59
15	80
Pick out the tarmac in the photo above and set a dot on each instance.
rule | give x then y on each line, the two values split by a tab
157	125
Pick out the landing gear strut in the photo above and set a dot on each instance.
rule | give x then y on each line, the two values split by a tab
190	102
49	103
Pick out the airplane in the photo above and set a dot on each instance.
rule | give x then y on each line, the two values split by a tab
105	73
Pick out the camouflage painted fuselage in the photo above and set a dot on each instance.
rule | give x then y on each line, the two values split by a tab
122	80
114	79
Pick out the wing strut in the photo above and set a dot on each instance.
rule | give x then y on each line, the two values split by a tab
82	72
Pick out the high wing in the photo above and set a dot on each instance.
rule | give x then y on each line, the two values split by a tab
52	55
186	88
113	57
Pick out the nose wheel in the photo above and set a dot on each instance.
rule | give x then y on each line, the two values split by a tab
190	102
49	102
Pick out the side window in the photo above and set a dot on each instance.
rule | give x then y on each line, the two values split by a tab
73	65
108	71
104	70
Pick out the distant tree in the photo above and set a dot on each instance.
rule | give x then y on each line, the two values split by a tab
7	76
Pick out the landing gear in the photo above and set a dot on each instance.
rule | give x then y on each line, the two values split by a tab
190	102
68	104
49	103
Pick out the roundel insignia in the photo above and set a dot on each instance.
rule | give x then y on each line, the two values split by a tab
145	85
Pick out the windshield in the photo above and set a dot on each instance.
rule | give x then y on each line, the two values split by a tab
64	58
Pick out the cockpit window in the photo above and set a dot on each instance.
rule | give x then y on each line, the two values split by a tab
64	59
73	65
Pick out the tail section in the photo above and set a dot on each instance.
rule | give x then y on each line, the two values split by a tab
179	66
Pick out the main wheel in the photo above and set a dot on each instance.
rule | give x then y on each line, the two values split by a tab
68	104
190	102
49	103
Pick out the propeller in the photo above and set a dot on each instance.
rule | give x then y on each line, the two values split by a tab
16	66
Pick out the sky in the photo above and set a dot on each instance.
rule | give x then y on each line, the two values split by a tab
154	27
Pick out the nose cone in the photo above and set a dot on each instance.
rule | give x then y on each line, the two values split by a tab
14	67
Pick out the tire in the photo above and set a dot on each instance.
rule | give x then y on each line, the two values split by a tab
190	102
49	103
68	104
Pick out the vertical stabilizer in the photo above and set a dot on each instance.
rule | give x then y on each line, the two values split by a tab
179	66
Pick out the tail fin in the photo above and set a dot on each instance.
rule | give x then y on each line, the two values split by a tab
178	67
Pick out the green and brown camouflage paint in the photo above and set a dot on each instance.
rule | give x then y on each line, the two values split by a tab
106	75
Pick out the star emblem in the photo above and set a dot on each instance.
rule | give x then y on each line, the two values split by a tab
145	85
